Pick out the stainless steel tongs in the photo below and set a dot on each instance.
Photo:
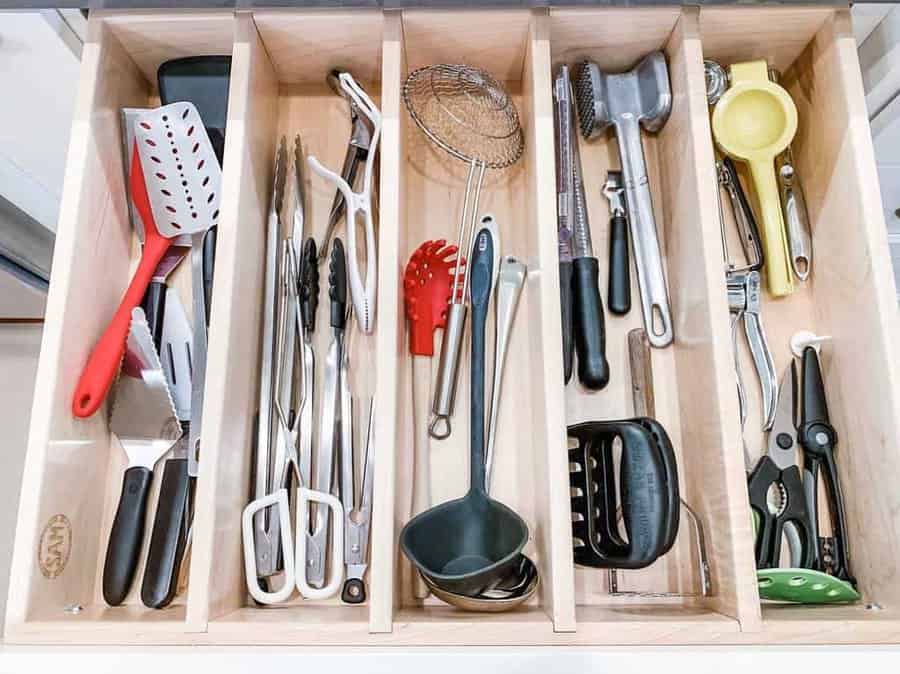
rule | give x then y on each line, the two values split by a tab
363	146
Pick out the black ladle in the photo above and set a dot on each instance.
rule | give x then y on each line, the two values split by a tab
468	544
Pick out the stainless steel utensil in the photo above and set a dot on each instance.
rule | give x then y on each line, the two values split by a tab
504	595
357	153
627	101
359	208
143	419
357	517
511	279
330	437
587	327
466	112
793	204
265	545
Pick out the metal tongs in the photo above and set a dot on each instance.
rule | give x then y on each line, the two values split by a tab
333	436
357	515
266	520
363	145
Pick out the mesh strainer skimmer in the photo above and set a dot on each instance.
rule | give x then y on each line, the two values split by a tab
468	113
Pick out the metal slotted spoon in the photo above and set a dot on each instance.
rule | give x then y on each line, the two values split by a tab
466	112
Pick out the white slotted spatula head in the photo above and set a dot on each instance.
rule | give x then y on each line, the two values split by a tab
182	173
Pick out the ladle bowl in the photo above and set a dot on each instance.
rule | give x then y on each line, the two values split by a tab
469	543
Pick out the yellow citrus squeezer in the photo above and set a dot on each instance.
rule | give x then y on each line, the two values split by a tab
753	122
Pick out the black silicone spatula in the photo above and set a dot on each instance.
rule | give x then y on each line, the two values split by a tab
203	81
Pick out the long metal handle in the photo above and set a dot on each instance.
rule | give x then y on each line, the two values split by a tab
509	289
765	366
644	240
318	541
265	552
796	219
445	388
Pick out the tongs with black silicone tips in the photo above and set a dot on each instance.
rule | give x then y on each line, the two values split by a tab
358	204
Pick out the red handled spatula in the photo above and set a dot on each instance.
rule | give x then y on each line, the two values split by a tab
176	185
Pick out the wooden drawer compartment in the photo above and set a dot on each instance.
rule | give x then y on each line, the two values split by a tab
279	61
74	471
850	296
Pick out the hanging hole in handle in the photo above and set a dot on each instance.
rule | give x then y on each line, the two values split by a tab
802	265
439	429
657	321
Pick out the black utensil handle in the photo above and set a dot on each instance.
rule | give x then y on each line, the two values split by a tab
168	538
764	474
619	266
670	466
337	285
796	512
209	268
814	409
481	273
309	284
565	307
154	305
590	338
126	535
841	553
354	591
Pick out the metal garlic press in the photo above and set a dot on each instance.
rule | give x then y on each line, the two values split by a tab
745	294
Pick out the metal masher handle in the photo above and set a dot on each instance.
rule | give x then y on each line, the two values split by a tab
647	256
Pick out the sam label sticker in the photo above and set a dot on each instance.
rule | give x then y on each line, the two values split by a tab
54	546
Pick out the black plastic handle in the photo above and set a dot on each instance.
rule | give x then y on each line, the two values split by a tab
481	272
308	291
840	555
126	535
209	268
647	484
168	538
590	329
565	306
354	591
619	266
770	528
154	305
337	285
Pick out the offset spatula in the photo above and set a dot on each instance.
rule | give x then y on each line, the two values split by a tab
144	420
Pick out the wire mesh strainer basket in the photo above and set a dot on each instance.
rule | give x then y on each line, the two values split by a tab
466	112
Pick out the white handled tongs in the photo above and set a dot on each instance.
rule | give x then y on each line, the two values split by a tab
359	204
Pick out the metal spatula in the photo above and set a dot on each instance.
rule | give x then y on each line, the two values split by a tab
144	420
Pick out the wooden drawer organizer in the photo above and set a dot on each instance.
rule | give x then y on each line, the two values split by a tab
280	58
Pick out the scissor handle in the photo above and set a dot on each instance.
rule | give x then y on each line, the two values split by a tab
771	526
305	497
279	500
